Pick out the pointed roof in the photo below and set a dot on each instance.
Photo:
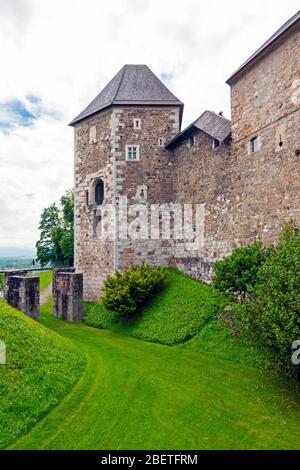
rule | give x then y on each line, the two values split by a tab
133	85
215	125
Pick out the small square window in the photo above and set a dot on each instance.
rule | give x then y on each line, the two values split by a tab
216	144
137	124
254	144
132	153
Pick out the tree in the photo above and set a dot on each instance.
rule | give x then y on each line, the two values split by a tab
272	310
56	244
235	273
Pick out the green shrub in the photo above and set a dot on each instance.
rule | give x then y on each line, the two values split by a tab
98	316
126	292
235	273
1	281
272	310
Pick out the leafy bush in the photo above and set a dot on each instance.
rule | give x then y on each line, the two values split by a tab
1	281
177	313
98	316
126	292
235	273
272	310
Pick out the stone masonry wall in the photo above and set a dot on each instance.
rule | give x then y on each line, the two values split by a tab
152	174
266	104
202	175
23	293
67	294
94	158
246	195
268	90
100	150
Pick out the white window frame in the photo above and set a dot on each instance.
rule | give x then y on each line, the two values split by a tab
137	124
128	153
215	146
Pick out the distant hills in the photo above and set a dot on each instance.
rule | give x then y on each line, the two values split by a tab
17	262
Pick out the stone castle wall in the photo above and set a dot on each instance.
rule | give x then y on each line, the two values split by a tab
202	175
266	104
94	158
246	195
151	174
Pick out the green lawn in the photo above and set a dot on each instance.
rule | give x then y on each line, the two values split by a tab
41	368
45	279
173	316
207	393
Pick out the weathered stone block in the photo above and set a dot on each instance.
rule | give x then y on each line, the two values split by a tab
23	293
67	293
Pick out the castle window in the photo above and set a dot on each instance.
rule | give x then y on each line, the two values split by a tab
132	152
192	140
216	144
137	124
161	142
254	144
99	192
93	135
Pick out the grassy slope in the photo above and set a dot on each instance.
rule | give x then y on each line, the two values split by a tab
45	279
136	394
173	316
207	393
41	368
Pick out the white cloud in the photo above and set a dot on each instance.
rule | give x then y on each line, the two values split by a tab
65	51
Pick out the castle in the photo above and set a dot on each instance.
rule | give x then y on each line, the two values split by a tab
244	173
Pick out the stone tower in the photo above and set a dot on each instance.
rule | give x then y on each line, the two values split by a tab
120	153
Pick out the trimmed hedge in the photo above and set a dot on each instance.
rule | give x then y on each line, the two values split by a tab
126	292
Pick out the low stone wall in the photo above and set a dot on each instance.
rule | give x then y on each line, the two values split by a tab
23	293
67	294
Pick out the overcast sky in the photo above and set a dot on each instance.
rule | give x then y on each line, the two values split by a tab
56	55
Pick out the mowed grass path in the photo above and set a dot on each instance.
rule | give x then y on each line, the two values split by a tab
139	395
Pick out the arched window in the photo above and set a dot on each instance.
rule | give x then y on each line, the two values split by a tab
99	192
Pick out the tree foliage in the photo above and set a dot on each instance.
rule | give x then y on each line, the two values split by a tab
235	273
56	244
272	309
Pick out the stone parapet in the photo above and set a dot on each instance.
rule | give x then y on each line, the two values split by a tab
23	293
67	292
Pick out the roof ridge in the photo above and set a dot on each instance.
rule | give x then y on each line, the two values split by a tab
219	115
273	38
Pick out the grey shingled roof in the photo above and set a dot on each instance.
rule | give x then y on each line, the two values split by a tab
133	85
291	22
213	124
